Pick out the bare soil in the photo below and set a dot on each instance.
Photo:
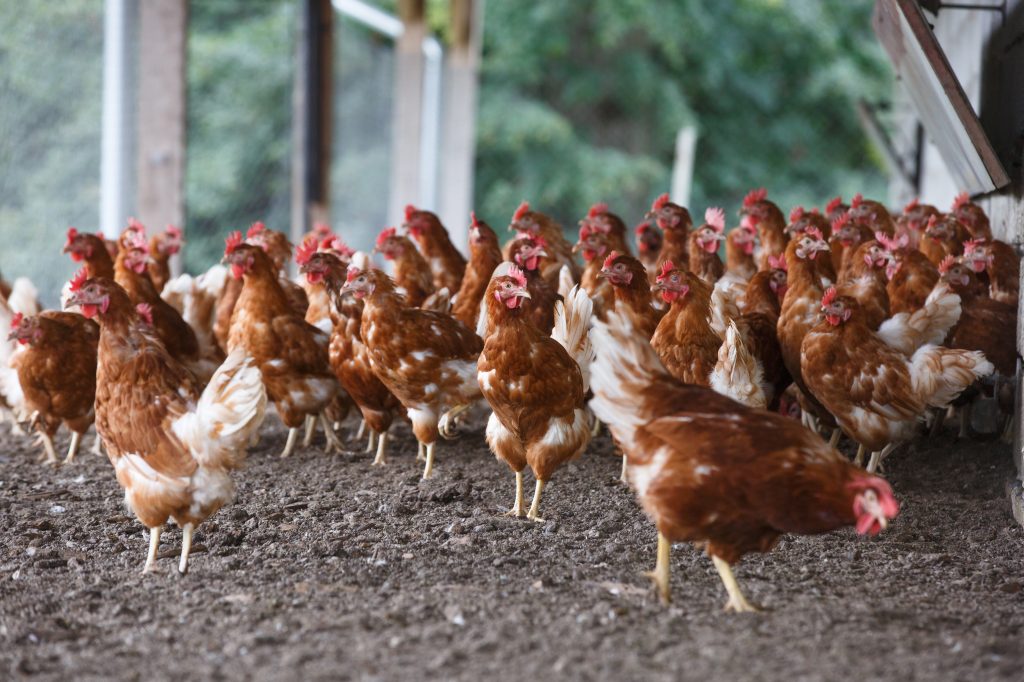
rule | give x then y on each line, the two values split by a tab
328	568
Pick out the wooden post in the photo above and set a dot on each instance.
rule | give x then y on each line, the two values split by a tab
682	167
458	135
312	116
163	26
407	104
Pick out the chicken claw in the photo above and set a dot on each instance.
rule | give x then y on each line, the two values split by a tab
447	425
51	454
289	446
517	508
660	575
534	513
333	442
73	448
737	602
382	442
154	547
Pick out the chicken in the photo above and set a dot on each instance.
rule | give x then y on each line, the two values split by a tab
738	374
558	250
764	216
21	298
713	472
997	263
92	250
648	247
766	290
426	359
195	298
684	340
762	304
675	223
972	217
800	220
319	312
632	294
835	208
866	281
57	373
411	274
290	353
872	215
913	220
876	393
984	325
847	236
534	383
348	354
595	246
739	252
943	236
162	246
446	263
704	242
484	256
911	275
172	446
279	249
600	219
528	254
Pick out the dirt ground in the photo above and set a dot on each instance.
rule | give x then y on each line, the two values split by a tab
328	568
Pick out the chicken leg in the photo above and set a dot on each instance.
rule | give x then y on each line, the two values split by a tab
428	468
97	446
622	475
858	460
834	440
420	456
333	442
382	443
51	454
73	448
362	429
369	442
660	574
307	440
878	456
186	547
289	446
154	547
534	513
517	508
737	602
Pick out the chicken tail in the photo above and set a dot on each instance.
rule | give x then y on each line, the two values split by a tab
572	325
24	297
565	282
195	298
929	324
938	375
724	309
229	412
738	374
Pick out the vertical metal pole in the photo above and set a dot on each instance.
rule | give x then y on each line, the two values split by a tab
115	145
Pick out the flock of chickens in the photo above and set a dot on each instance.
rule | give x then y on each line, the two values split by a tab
845	321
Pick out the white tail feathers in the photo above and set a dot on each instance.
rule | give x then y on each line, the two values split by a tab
24	298
738	374
228	413
723	310
572	324
938	375
565	281
907	332
196	299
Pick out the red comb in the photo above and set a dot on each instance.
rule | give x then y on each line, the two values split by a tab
386	234
135	226
72	233
338	245
255	230
947	263
814	232
145	311
971	244
857	200
754	196
517	274
961	200
409	211
353	272
521	211
322	230
306	250
715	217
834	204
79	279
830	295
666	268
796	214
912	205
16	320
642	227
597	209
777	262
610	259
840	221
474	221
660	202
233	241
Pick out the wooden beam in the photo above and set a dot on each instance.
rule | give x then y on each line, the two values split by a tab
160	161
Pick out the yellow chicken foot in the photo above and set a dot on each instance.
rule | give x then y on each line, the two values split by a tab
447	425
737	602
154	547
382	443
73	448
534	513
51	454
289	446
877	457
517	508
369	441
428	468
307	439
660	574
186	547
333	442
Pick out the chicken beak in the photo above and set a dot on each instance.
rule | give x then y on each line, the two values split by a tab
523	293
13	336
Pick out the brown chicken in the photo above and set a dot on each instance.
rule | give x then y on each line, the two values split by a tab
648	247
446	263
599	218
847	236
290	353
534	382
872	215
412	274
425	358
684	340
866	282
675	223
997	263
594	246
92	250
162	246
911	275
739	252
632	293
972	217
349	356
57	373
835	208
704	242
172	445
558	250
766	217
279	249
528	253
985	325
716	473
484	256
913	221
944	235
